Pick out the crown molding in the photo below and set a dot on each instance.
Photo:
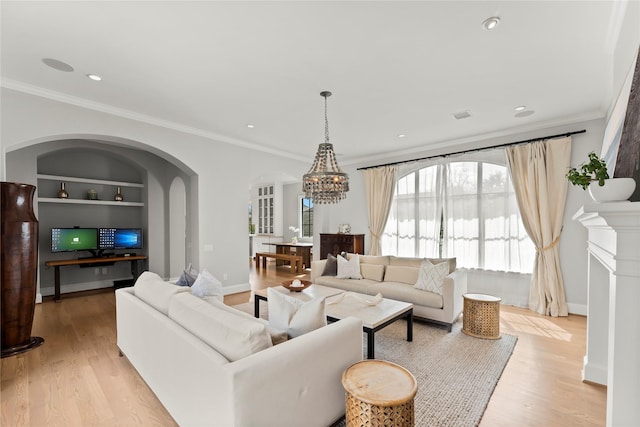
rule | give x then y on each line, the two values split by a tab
451	144
143	118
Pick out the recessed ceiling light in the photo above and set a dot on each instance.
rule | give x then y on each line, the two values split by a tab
401	135
461	115
490	23
57	65
250	126
94	77
522	114
520	108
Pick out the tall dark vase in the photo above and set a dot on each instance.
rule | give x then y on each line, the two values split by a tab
19	259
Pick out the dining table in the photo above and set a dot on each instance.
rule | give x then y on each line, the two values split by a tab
302	249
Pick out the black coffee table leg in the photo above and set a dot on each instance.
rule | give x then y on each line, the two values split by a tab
370	344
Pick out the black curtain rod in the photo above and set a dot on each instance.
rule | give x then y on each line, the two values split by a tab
477	149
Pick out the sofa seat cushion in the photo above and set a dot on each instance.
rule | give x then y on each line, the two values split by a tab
346	284
405	292
233	336
153	290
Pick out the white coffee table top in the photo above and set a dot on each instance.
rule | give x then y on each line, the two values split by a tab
372	316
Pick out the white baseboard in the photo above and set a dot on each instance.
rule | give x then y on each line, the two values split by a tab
580	309
235	289
78	287
594	373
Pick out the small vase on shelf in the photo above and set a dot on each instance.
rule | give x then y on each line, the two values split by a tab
62	194
118	197
294	240
92	194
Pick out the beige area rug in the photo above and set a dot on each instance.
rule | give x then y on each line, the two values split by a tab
456	373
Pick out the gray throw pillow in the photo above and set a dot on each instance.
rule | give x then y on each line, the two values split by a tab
188	277
331	266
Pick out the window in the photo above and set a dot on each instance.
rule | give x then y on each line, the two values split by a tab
305	215
463	209
265	210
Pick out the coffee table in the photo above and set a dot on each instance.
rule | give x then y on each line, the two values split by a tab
373	318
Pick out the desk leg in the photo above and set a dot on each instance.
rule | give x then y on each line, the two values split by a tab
134	269
56	283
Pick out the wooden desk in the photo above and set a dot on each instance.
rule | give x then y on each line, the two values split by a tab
302	249
94	261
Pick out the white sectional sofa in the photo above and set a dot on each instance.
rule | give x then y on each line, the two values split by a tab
212	365
394	277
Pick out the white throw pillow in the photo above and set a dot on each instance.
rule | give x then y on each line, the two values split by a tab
295	316
349	269
207	286
431	277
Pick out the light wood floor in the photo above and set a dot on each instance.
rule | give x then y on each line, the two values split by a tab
77	379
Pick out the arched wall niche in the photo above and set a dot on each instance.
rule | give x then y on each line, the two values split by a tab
114	159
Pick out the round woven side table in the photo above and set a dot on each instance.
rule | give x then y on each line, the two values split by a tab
481	316
379	393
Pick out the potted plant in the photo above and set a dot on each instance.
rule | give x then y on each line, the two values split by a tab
607	189
594	170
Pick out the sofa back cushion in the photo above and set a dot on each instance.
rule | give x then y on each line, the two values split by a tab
233	336
402	274
405	262
416	262
153	290
372	271
277	336
377	260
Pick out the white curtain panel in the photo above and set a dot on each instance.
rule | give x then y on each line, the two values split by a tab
379	185
429	211
538	172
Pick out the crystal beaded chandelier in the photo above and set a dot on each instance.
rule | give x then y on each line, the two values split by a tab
325	182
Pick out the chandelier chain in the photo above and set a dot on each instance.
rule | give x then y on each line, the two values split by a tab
326	122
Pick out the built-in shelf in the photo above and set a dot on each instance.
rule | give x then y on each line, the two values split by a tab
79	201
89	181
87	202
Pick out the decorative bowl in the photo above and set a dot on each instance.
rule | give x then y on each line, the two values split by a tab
288	284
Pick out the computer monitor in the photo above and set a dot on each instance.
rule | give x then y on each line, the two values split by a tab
120	238
74	239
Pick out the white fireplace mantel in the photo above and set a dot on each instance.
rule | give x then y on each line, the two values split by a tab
613	306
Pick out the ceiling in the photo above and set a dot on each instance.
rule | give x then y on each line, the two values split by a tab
213	68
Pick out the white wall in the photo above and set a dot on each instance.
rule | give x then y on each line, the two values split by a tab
512	287
222	173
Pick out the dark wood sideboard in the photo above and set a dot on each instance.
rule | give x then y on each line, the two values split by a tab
336	243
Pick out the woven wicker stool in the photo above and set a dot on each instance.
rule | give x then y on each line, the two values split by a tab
379	393
481	316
